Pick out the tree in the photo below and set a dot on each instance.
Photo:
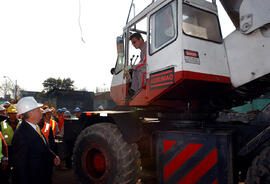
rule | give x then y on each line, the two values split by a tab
67	84
53	86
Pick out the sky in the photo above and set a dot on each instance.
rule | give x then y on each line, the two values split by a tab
42	38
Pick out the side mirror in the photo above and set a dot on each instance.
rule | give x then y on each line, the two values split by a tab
120	46
113	71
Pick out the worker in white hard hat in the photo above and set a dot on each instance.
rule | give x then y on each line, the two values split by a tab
49	119
2	111
67	115
32	157
6	104
48	126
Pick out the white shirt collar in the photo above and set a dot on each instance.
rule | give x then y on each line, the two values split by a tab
32	125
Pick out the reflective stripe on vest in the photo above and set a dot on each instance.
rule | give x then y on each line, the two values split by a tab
7	132
53	124
1	154
46	130
19	123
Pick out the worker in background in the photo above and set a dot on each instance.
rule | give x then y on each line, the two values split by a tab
49	119
67	163
3	111
67	115
8	127
3	160
33	159
77	112
45	107
66	159
64	109
48	128
6	104
59	112
60	119
43	115
138	71
12	101
54	114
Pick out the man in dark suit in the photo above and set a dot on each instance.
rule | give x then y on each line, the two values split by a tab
32	158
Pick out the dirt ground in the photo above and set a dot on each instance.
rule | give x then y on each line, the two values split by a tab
67	177
60	177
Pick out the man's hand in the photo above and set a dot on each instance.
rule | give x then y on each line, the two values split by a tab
127	75
4	165
57	161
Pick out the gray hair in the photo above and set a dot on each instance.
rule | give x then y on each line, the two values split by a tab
26	115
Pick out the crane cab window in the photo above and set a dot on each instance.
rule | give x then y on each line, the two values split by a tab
162	27
201	24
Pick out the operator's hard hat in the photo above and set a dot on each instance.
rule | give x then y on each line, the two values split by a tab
2	108
12	110
77	109
27	104
59	110
64	109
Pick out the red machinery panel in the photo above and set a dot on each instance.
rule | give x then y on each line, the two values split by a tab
186	157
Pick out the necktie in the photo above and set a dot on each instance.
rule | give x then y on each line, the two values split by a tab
39	132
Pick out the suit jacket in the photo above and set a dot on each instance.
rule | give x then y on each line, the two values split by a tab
32	158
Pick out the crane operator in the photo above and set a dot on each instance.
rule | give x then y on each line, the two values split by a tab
139	70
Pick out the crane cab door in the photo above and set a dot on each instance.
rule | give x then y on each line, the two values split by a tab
127	58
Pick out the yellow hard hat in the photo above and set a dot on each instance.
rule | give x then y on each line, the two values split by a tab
12	109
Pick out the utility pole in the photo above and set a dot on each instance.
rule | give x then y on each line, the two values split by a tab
15	91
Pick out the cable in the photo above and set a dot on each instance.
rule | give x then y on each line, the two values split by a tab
79	22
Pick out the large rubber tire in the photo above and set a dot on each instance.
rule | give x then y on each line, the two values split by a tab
259	171
101	155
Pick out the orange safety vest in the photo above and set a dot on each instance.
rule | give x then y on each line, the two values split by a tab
46	130
53	125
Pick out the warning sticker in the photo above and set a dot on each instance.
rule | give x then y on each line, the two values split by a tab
191	57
